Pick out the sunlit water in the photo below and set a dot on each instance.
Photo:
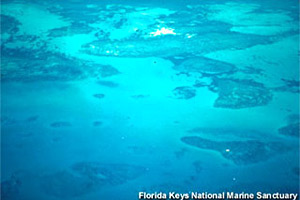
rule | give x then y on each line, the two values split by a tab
104	99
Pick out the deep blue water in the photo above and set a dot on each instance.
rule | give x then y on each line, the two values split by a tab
105	99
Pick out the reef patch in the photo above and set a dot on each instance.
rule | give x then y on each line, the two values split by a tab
60	124
237	94
205	66
290	130
85	177
184	92
239	152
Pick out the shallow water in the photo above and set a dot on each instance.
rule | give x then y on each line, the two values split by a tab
102	100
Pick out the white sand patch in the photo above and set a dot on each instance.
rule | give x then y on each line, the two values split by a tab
34	19
163	31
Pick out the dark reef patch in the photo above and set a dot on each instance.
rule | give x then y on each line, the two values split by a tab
65	184
60	124
198	165
252	70
5	120
237	94
10	188
184	92
109	84
205	66
107	70
293	118
32	118
199	84
99	96
296	171
97	123
290	130
239	152
139	96
292	86
50	68
73	29
179	45
38	65
223	133
9	25
180	153
85	177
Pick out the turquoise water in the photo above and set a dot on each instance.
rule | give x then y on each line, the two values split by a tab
105	99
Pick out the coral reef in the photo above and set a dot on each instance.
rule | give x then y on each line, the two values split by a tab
239	152
85	177
236	94
184	92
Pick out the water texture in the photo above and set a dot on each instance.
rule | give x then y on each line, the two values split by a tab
104	99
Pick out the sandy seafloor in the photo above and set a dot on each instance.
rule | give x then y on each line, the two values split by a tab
103	99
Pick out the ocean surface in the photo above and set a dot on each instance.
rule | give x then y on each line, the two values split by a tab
105	99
